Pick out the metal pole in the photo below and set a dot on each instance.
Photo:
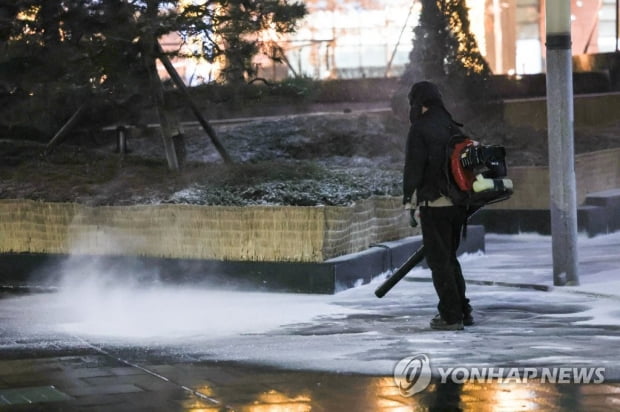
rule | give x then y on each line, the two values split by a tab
121	139
498	39
563	191
617	24
400	36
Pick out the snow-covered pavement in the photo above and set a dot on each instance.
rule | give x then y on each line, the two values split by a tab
351	331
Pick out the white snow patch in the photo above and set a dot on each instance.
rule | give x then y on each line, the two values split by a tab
172	313
351	331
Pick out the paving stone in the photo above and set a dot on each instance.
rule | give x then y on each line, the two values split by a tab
79	373
31	395
28	366
595	389
104	390
126	370
130	379
25	379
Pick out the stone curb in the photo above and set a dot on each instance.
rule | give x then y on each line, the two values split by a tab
30	270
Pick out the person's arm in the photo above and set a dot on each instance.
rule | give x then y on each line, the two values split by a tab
415	162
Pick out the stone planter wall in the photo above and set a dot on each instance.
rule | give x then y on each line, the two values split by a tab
284	233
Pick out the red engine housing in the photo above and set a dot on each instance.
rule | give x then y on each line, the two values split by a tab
464	178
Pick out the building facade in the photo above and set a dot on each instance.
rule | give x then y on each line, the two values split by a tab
373	38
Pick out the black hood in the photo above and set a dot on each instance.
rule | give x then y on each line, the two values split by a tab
423	93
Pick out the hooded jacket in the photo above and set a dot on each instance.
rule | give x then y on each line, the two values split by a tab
427	140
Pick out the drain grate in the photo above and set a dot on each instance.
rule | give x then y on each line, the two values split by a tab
35	394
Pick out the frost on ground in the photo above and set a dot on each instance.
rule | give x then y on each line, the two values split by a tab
328	159
351	331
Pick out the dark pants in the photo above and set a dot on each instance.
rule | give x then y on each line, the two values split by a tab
441	234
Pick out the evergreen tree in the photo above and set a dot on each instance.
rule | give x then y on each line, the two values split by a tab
44	72
445	52
57	54
238	21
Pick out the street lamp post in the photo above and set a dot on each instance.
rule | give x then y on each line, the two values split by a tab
563	196
617	25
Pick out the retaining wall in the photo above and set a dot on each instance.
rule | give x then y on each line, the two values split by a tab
256	233
594	172
589	110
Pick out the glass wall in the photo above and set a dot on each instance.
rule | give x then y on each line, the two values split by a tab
373	38
353	40
529	52
607	26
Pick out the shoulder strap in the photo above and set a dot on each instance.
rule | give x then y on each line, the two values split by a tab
455	128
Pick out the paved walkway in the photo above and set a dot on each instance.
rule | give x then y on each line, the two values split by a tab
340	360
92	381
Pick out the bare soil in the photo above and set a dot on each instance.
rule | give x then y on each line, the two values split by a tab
328	159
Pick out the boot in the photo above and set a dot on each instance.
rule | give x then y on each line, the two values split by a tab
438	323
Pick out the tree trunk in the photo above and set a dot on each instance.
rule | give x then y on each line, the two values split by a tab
174	75
148	42
164	123
65	129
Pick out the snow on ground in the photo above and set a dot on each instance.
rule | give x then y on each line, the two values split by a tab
352	331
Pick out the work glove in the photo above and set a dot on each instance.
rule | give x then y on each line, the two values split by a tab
414	215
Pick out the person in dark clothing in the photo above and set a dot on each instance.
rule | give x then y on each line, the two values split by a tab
441	221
